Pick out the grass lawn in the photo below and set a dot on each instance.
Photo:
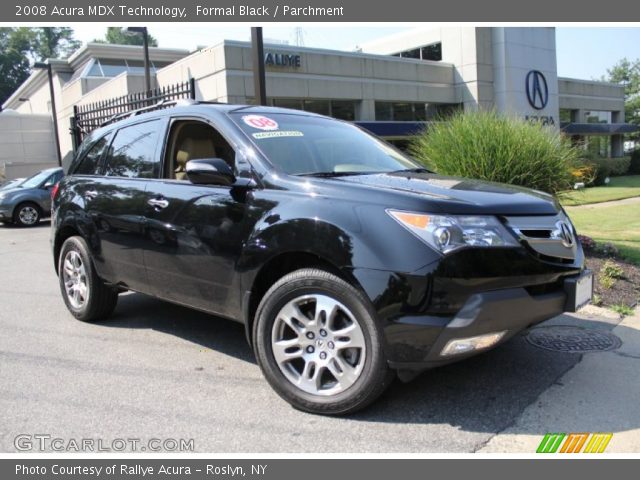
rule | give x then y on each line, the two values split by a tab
619	225
618	188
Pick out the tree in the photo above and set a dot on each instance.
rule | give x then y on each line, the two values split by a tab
14	64
627	73
21	47
116	36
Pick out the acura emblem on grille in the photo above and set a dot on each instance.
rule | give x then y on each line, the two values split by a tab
563	232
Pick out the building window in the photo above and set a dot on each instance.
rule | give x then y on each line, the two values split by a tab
432	52
294	103
414	112
428	52
595	116
566	115
321	107
598	146
340	109
110	67
343	110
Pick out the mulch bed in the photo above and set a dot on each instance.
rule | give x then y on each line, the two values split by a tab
626	290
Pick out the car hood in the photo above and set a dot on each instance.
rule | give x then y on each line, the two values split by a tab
462	195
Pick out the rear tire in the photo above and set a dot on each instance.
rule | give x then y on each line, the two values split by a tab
86	296
318	345
27	214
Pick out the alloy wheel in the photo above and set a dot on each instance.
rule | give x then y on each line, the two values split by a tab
75	279
318	344
28	215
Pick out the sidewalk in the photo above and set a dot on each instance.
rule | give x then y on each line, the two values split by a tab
600	394
610	203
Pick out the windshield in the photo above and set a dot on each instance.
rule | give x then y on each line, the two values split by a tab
36	179
305	145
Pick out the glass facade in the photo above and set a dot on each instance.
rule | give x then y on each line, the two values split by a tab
413	112
110	67
340	109
594	116
428	52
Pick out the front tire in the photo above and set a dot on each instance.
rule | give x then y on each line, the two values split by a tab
84	293
318	345
27	214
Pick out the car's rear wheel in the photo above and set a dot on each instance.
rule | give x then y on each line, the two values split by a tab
27	214
318	344
86	296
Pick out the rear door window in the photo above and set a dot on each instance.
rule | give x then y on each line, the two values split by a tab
133	152
90	163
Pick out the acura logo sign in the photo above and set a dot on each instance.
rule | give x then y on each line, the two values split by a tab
563	233
537	89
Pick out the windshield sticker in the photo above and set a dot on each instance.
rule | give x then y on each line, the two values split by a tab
289	133
260	122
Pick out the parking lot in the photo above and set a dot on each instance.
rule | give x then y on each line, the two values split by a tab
156	370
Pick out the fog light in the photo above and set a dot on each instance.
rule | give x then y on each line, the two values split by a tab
459	346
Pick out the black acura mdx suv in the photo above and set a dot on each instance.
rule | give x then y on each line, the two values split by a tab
347	262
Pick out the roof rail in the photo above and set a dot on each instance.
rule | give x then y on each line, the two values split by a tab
149	108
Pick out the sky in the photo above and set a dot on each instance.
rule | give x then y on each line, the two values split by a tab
582	52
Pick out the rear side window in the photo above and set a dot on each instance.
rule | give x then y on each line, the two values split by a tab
90	163
133	152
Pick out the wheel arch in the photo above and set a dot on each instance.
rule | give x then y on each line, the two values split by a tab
277	267
65	232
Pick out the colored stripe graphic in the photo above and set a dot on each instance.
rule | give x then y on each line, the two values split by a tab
574	442
598	442
550	443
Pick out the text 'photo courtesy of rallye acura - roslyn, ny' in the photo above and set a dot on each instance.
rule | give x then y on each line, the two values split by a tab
347	261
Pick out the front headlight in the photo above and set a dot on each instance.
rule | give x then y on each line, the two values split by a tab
446	233
2	195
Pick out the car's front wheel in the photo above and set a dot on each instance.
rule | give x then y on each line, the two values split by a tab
318	344
84	293
27	214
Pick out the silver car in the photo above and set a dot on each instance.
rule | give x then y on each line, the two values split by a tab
30	201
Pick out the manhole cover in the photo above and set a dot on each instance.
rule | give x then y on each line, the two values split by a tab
572	339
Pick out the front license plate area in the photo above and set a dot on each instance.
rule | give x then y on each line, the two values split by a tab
579	290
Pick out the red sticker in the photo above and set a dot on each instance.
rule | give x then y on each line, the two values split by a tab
260	122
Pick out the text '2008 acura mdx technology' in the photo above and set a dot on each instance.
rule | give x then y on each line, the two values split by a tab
347	262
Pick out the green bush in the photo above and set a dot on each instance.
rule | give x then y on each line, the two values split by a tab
612	270
608	167
494	147
634	163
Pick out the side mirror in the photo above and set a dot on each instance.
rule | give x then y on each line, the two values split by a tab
210	171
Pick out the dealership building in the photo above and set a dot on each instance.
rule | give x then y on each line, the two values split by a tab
391	86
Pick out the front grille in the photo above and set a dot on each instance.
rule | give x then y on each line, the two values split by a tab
550	236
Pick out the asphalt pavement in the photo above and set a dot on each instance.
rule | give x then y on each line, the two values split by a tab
156	370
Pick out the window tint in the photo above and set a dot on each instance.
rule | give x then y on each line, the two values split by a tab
132	152
190	140
300	144
53	179
90	164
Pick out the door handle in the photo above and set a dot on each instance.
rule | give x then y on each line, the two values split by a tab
158	203
91	194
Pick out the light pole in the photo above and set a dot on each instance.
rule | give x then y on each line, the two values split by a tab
257	51
145	45
54	114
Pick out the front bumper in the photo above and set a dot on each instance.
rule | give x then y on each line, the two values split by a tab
416	346
417	342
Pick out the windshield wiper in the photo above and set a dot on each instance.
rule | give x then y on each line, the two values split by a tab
332	174
413	170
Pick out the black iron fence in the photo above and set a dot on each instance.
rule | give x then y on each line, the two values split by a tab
88	117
